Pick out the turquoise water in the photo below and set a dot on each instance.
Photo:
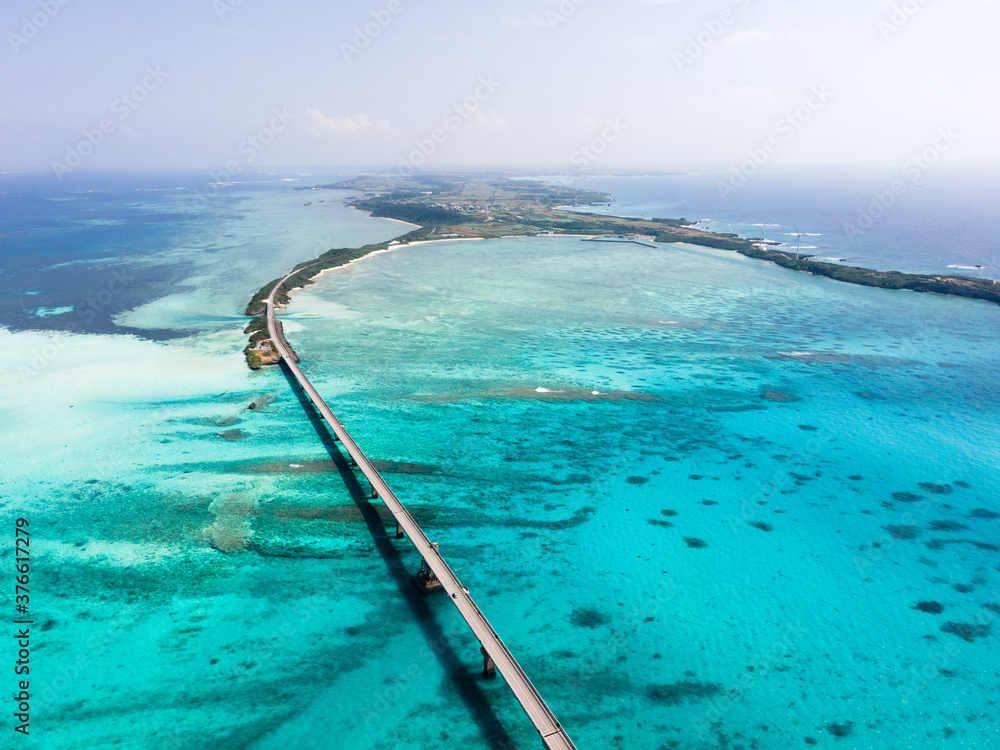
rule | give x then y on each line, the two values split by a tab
665	475
552	503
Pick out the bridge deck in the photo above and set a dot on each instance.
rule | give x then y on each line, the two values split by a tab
552	733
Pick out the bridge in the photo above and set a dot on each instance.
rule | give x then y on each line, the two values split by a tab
435	571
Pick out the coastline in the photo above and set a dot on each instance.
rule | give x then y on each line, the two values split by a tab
259	352
530	216
398	221
388	249
443	239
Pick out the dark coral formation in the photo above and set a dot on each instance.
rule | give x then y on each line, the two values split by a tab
675	693
778	396
936	489
942	543
843	729
658	522
967	631
934	608
694	542
947	526
585	617
902	531
984	514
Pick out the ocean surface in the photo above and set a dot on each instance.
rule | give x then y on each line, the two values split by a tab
946	221
707	502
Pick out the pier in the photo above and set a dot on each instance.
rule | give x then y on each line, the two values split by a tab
435	573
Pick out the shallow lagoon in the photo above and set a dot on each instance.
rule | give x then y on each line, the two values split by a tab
665	475
689	460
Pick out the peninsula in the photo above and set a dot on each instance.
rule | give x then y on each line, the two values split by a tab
493	206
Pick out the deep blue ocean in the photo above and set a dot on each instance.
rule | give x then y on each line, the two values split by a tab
57	238
706	501
948	222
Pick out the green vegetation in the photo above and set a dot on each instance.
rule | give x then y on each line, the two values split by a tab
257	305
257	324
257	330
958	286
490	206
414	213
705	239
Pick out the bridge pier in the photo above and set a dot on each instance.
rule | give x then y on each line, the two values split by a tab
489	668
426	580
399	532
374	494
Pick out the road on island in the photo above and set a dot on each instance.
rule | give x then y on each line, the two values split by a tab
551	731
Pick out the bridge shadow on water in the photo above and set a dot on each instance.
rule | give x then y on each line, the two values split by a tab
466	684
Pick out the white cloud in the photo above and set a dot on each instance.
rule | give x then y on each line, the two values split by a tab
490	120
350	126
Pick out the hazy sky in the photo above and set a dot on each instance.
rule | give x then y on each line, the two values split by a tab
203	83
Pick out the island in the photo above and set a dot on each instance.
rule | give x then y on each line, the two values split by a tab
445	206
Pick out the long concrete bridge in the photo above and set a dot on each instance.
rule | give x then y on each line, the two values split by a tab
435	572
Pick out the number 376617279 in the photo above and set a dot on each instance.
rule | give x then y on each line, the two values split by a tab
22	543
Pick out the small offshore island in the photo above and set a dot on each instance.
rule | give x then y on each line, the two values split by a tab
490	207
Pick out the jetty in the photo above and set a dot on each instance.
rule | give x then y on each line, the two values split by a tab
646	240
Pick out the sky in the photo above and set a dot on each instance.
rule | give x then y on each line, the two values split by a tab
574	84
